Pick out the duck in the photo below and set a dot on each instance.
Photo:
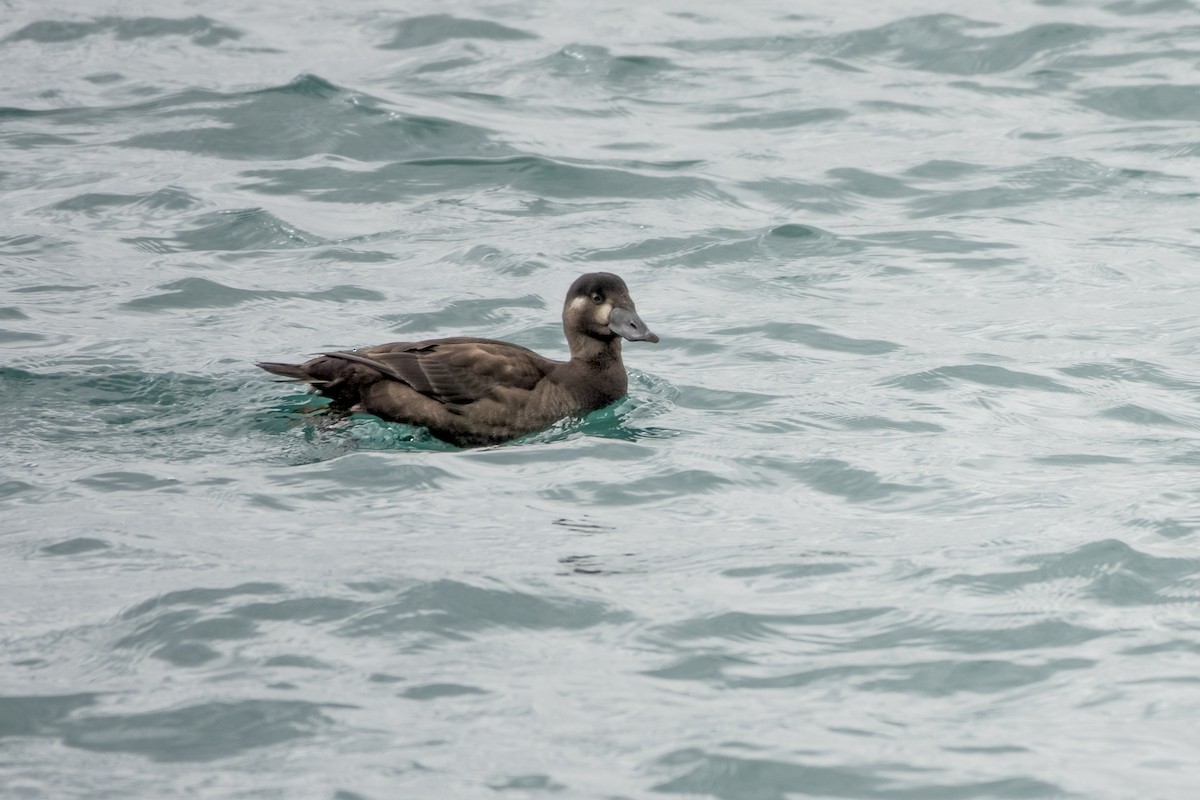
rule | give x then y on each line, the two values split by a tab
473	392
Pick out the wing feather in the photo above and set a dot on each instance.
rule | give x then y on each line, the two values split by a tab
457	371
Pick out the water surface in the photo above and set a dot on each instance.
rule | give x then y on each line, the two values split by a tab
904	505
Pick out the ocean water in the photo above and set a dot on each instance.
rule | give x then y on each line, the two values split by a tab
905	504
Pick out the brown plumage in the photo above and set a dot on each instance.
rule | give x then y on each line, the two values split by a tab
472	392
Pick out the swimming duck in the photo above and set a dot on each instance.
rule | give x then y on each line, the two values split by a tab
472	392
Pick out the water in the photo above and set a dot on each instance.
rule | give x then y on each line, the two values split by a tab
904	505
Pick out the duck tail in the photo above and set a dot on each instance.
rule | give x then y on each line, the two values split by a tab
295	373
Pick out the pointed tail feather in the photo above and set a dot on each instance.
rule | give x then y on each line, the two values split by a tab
295	373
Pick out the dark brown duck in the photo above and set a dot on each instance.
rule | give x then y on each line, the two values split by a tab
473	392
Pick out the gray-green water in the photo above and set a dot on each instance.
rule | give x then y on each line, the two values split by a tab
905	505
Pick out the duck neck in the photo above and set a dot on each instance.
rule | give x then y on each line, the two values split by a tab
595	353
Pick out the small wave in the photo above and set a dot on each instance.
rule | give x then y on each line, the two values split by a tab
581	63
304	117
201	30
818	338
1109	571
1149	102
167	200
421	615
777	244
450	177
437	28
699	773
779	120
237	229
982	374
830	476
463	314
192	293
200	732
939	43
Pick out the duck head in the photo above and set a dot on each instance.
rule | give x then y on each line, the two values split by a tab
598	305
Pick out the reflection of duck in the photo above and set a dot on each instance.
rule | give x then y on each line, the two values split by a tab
472	392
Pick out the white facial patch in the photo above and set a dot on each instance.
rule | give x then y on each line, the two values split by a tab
600	313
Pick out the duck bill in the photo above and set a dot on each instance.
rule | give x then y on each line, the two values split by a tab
626	323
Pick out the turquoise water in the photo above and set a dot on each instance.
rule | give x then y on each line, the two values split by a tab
904	505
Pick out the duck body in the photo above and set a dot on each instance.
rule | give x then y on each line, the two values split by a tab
472	392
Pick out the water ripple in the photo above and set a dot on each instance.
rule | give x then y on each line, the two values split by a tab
451	610
728	776
1110	572
901	506
532	175
201	30
437	28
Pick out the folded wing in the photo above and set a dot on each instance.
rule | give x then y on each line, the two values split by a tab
454	371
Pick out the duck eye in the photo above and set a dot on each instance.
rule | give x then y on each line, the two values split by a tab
597	298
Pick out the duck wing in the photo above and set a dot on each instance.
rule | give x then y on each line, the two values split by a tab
454	371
